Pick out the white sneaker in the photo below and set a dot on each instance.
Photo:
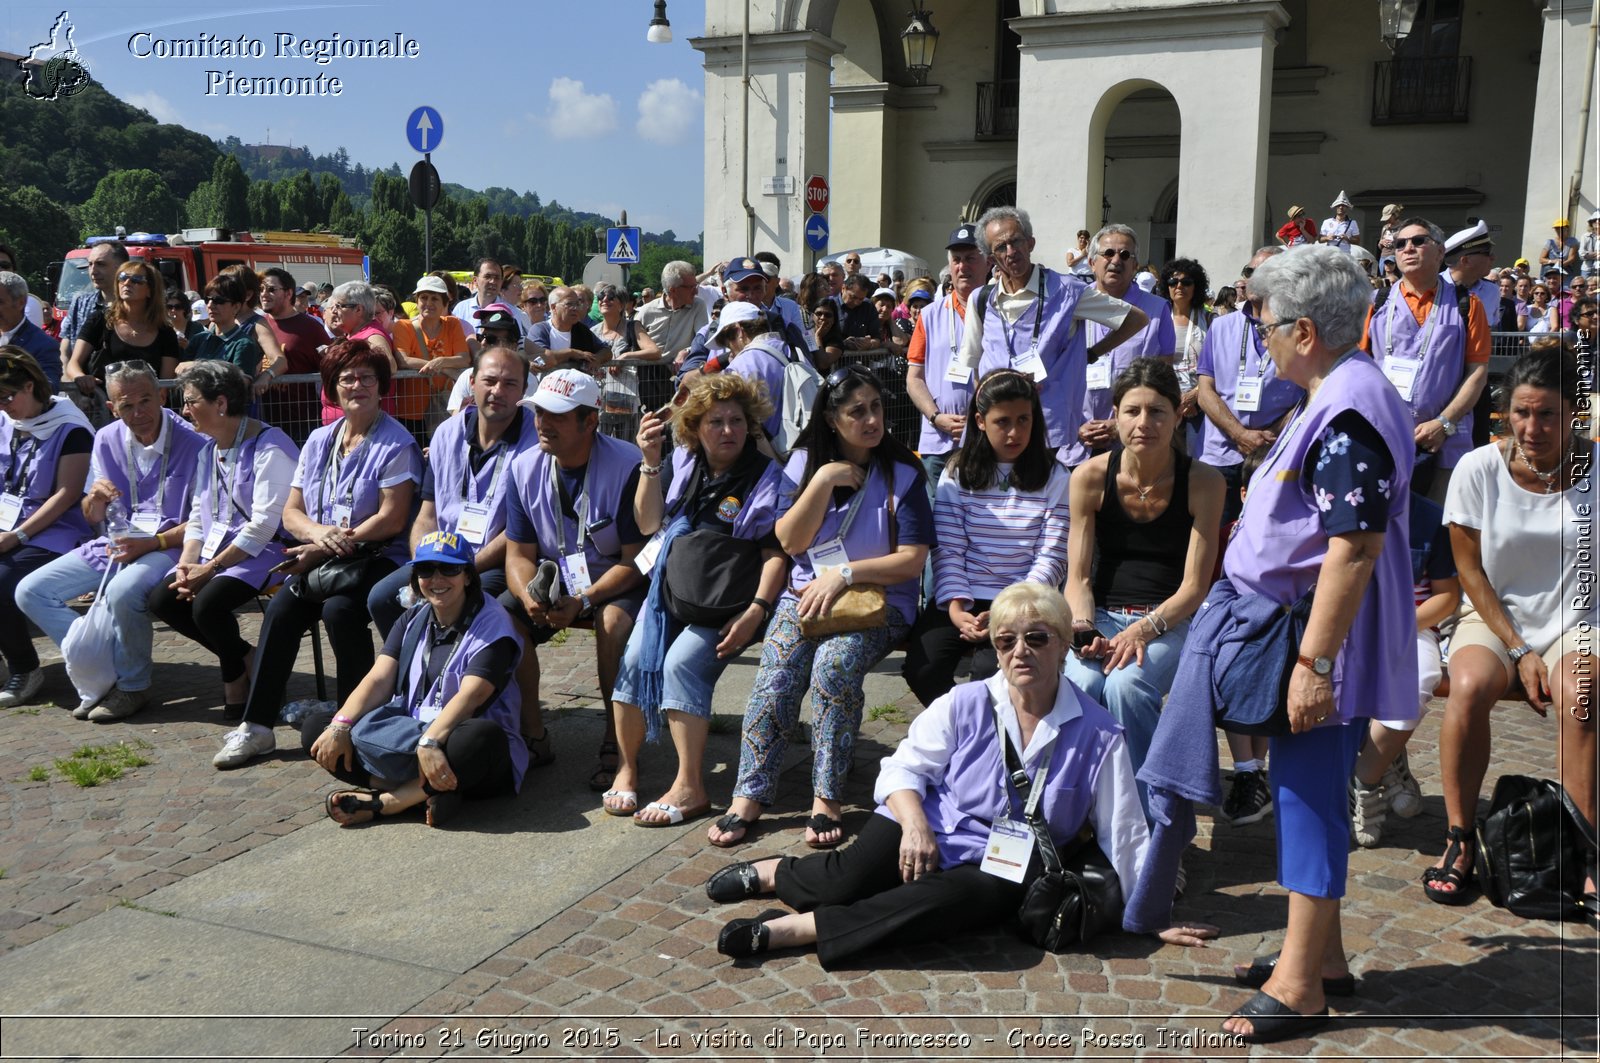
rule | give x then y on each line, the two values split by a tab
118	704
1405	793
1368	809
244	745
21	688
85	707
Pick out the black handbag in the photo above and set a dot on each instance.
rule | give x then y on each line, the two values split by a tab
340	575
1534	849
1075	896
710	577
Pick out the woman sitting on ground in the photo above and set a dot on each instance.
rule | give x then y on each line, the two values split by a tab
1517	512
436	720
1145	525
913	874
854	510
1000	512
722	485
231	543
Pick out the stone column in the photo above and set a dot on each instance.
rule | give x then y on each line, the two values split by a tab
1552	155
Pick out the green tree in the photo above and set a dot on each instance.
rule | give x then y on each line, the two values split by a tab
298	206
136	199
38	229
232	191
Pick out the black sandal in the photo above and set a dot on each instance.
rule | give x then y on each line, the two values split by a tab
606	773
1458	878
350	802
730	823
819	824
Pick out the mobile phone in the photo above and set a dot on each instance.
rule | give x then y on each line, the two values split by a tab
1082	639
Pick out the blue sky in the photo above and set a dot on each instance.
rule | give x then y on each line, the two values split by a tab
562	97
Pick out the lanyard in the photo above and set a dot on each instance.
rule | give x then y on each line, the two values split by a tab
855	505
133	470
1038	315
1244	343
435	686
16	475
1427	332
1009	758
336	466
468	480
222	482
584	504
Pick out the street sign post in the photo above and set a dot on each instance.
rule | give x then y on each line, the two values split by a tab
424	129
817	232
425	189
623	245
816	193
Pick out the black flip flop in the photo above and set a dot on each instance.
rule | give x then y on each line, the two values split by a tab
819	823
732	822
1261	969
349	802
1272	1020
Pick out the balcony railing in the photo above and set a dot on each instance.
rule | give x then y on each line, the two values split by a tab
1408	91
997	110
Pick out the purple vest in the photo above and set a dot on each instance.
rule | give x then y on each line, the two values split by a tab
1439	344
447	455
942	330
174	493
1060	345
1158	339
1228	336
869	532
34	478
491	624
355	483
611	462
758	511
964	805
1278	546
232	506
764	359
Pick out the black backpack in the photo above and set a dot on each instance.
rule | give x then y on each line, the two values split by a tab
1534	849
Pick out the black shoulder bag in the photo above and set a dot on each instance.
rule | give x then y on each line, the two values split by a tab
710	577
1076	895
1534	849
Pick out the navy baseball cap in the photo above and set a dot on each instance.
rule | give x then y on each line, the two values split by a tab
963	235
741	268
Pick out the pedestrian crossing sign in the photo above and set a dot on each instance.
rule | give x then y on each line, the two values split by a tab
623	245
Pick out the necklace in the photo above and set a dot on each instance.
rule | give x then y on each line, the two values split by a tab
1144	492
1546	478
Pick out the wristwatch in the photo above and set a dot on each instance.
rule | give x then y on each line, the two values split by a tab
427	743
23	538
1320	665
585	603
1517	653
847	574
1449	426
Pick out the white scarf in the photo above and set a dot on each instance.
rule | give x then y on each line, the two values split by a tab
59	413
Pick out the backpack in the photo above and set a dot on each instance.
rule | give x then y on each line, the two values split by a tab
1534	848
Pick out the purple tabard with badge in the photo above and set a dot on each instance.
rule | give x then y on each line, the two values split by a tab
1055	338
327	482
28	468
166	489
942	331
611	463
1433	355
454	483
229	505
1158	339
1232	350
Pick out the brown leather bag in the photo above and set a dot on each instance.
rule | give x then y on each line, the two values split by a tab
862	606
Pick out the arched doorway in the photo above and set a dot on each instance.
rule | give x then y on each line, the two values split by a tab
1143	138
997	190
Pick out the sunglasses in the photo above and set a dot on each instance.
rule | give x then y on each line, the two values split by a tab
849	372
132	278
216	300
1036	640
535	302
1186	282
1412	241
1113	253
429	569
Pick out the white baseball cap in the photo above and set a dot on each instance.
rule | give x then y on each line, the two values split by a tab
564	390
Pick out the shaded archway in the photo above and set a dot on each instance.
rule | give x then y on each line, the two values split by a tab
1140	132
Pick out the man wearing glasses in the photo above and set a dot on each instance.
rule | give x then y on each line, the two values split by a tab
486	284
1431	339
1029	320
565	338
1114	259
682	309
300	335
104	261
1240	393
16	330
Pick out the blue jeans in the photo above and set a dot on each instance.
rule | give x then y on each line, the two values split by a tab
43	596
1132	694
688	676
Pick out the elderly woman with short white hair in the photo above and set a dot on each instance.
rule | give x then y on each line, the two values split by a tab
352	314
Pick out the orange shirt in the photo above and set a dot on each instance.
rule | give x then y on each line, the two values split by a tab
917	352
412	396
1479	342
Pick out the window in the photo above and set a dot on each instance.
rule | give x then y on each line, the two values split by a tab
1427	80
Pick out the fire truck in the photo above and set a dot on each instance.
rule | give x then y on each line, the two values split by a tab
189	259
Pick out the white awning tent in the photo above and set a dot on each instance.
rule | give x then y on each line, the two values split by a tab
876	260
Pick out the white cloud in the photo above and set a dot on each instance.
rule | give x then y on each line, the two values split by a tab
575	113
156	104
669	111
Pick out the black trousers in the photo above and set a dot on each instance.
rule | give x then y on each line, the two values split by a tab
208	619
859	900
16	645
477	751
935	651
288	619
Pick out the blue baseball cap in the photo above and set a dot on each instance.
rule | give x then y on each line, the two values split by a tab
446	547
741	268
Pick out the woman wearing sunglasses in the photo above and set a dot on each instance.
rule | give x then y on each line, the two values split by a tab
134	325
920	868
437	718
854	510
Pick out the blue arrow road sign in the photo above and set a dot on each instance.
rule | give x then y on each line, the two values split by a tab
424	129
817	232
623	245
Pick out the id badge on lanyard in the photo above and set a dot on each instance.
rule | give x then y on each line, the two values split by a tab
1402	373
1031	363
646	558
575	572
1247	395
213	543
147	521
828	554
10	511
1099	376
473	522
1008	850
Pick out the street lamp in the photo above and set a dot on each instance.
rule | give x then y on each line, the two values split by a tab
919	41
1395	20
660	31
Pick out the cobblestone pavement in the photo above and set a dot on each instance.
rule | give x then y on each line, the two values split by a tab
632	969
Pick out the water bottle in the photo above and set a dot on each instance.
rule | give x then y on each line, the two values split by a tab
117	524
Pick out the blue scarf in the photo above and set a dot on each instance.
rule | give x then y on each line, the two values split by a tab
655	630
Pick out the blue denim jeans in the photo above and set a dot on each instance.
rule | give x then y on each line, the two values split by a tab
1133	694
43	596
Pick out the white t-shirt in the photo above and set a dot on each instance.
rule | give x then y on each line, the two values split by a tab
1342	233
1538	550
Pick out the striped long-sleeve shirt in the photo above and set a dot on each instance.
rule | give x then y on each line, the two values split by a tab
997	536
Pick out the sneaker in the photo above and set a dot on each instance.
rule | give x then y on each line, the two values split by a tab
119	703
1405	793
545	585
21	688
1367	812
85	707
244	745
1249	800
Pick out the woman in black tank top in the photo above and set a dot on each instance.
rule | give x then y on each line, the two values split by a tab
1145	522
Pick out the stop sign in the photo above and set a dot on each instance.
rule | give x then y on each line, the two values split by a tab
817	193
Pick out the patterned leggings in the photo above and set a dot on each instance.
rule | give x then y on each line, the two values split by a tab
834	668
